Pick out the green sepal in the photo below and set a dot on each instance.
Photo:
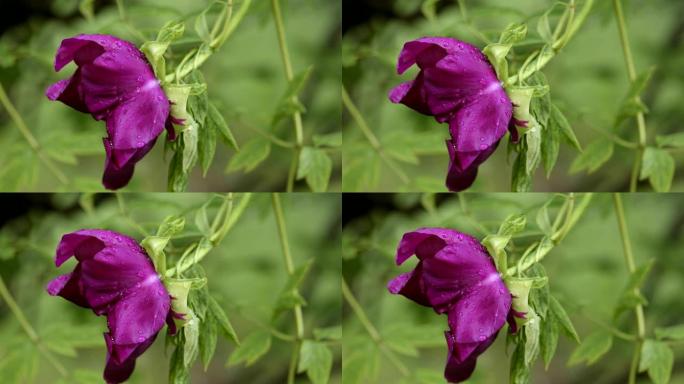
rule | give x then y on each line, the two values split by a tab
178	290
496	53
520	290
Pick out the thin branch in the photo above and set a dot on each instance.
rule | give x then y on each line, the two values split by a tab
631	267
289	267
30	139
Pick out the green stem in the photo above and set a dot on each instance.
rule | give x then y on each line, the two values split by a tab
289	74
572	28
370	136
30	139
570	221
289	267
28	329
190	63
229	217
631	72
372	331
631	267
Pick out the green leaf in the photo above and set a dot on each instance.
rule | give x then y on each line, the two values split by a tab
289	103
252	154
171	31
533	153
532	331
289	296
207	340
563	319
544	28
550	147
202	27
593	157
171	226
178	371
640	83
328	333
202	221
632	104
251	349
638	277
543	220
191	345
592	348
222	320
519	371
513	33
332	140
658	166
316	359
675	332
558	119
657	357
215	120
206	147
548	339
315	165
512	224
675	140
190	143
521	181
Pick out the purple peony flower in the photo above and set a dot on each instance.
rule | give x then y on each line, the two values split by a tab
457	85
456	276
115	277
114	82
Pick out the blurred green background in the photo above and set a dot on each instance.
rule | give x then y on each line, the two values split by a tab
245	77
588	81
246	274
586	272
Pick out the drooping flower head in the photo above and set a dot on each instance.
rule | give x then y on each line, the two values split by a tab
457	85
114	277
114	82
456	276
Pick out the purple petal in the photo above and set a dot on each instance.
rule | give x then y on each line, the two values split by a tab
457	84
482	123
458	370
463	166
425	242
136	123
114	82
115	277
121	359
68	287
457	271
411	285
479	314
140	314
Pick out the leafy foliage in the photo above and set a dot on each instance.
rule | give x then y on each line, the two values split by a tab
588	90
573	291
223	264
232	103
